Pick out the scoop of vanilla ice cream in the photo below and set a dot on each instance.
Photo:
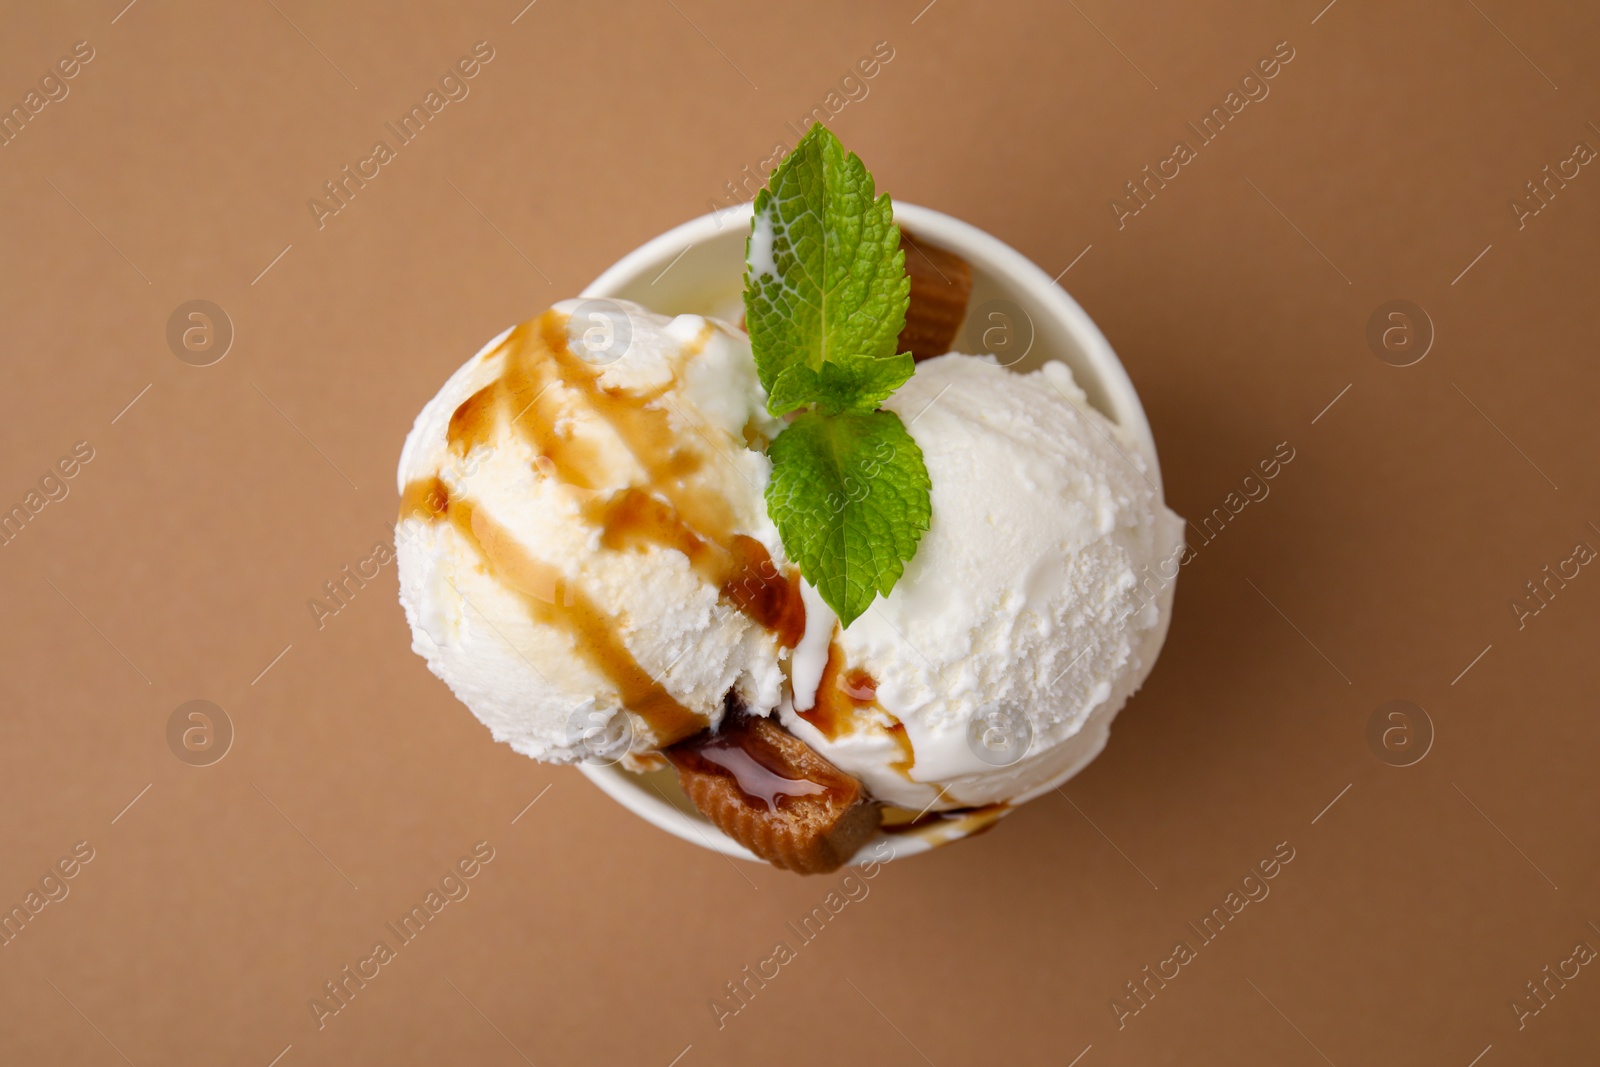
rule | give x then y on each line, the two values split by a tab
1035	604
505	531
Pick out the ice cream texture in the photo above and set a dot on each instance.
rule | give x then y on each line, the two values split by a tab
1027	616
584	552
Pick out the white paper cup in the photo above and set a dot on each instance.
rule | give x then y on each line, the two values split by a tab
698	268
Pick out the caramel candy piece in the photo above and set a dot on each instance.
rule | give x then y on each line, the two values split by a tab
772	793
941	283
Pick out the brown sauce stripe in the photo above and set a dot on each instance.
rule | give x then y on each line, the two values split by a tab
554	601
970	821
646	431
742	570
525	395
425	498
843	693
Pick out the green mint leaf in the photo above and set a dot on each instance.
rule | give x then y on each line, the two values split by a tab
840	388
849	495
825	281
825	300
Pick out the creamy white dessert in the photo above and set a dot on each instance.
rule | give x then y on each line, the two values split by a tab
586	560
549	494
1020	627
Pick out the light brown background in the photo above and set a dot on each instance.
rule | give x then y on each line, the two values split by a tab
1417	507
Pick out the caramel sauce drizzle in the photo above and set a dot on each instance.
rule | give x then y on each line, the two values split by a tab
842	695
834	712
942	827
426	499
647	432
908	756
741	569
526	394
552	600
677	508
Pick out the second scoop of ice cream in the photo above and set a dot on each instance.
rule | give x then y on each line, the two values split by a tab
1034	606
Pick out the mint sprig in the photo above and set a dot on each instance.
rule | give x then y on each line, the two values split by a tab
825	288
825	300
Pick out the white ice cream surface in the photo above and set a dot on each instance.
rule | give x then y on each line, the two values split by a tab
1020	613
524	679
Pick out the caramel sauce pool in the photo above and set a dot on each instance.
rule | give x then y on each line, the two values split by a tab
677	507
762	776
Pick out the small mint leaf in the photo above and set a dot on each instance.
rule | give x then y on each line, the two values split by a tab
850	497
840	388
825	279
